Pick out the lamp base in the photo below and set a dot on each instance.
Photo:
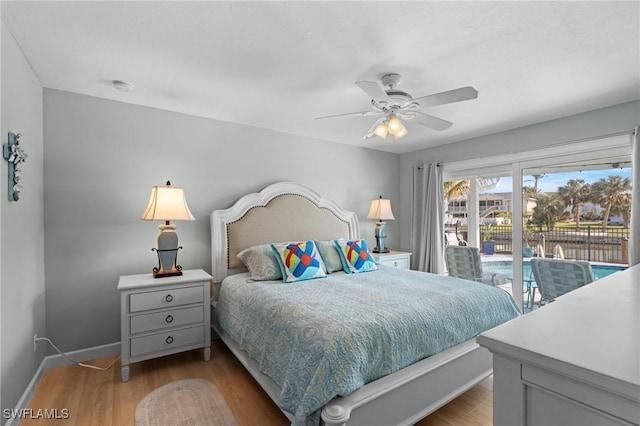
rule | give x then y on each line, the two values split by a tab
175	270
161	274
381	238
167	253
377	250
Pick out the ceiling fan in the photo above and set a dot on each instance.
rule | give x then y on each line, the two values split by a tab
393	106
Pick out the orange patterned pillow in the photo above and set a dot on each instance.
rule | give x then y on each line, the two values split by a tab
299	261
355	256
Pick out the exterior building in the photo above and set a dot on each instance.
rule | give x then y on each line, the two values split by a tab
495	208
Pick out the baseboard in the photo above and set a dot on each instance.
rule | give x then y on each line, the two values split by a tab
53	361
24	400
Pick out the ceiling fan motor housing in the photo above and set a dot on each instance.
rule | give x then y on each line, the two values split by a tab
391	80
399	96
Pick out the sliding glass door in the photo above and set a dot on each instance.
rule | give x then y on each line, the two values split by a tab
577	208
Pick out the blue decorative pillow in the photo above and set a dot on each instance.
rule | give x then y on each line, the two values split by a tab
299	261
261	262
330	256
355	256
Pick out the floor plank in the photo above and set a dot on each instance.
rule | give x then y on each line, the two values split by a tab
99	398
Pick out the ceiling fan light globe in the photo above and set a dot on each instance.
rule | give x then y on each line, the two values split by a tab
381	130
395	125
403	132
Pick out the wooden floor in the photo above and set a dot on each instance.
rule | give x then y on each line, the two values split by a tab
95	397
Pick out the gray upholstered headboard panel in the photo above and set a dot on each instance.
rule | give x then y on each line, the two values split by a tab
281	212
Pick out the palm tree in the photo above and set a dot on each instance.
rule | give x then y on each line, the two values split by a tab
548	210
460	188
608	193
623	208
574	193
536	179
530	192
456	189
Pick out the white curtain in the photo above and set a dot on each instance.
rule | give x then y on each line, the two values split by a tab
427	221
634	236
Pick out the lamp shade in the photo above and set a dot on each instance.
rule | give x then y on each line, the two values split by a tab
380	209
167	203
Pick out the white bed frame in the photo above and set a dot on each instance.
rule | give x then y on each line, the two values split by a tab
401	398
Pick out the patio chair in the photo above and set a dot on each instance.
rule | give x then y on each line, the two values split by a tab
464	262
453	239
556	277
529	287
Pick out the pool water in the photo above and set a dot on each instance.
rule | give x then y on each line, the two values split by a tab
505	267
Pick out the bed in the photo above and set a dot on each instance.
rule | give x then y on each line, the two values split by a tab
399	377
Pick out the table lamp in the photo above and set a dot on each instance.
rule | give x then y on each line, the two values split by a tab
167	203
381	210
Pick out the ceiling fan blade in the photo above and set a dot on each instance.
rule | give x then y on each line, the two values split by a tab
374	90
456	95
351	114
430	121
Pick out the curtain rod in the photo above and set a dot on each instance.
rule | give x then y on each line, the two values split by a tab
421	166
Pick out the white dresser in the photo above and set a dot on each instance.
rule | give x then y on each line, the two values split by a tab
397	259
575	361
162	316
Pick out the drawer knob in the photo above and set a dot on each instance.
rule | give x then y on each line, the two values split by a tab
168	298
169	319
169	340
395	264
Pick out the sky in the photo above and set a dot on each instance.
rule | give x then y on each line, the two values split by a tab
551	182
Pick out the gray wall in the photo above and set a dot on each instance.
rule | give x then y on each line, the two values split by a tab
21	226
618	118
103	157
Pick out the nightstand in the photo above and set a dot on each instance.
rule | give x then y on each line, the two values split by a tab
397	259
162	316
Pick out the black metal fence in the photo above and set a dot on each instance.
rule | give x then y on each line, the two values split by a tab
589	242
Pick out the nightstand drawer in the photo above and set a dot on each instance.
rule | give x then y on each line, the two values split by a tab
166	341
401	263
394	258
166	319
165	298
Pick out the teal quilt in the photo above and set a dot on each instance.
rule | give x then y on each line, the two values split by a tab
326	337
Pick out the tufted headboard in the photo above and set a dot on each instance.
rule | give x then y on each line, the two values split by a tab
281	212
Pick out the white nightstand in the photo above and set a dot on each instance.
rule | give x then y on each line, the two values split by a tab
397	259
162	316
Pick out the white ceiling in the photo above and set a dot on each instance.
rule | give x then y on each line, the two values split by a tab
278	65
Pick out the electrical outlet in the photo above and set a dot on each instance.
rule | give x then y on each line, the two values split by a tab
35	342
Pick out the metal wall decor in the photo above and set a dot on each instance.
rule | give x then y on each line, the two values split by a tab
15	156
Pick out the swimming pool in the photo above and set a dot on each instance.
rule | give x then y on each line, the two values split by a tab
505	267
